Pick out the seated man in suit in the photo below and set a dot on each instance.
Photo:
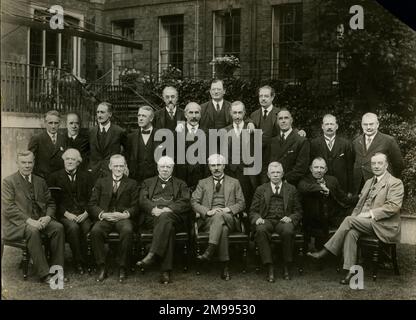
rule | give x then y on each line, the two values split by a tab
218	200
48	146
28	211
275	208
377	213
165	207
290	149
141	146
77	139
324	202
72	204
113	205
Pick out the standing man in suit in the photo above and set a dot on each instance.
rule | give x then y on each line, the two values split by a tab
28	211
48	146
217	201
168	117
369	143
141	147
275	208
165	206
290	149
377	213
72	203
193	131
324	202
106	139
216	112
337	152
236	170
77	139
113	205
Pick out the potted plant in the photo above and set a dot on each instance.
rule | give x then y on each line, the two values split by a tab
225	66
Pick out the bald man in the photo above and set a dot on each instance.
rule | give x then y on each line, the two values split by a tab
368	144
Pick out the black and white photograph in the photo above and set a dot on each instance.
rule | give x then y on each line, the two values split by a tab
209	152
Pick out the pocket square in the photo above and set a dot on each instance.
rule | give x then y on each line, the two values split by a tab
341	155
290	151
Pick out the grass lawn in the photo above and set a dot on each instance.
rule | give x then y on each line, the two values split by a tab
313	284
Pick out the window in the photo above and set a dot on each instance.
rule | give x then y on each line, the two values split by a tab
171	42
122	56
287	36
226	33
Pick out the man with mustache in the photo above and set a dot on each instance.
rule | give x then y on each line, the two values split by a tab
77	139
369	143
377	213
217	201
337	152
168	117
106	139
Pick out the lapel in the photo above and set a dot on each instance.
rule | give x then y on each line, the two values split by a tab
267	195
122	186
227	189
152	187
174	187
381	184
210	112
93	136
108	137
289	142
374	143
227	106
135	144
256	117
22	184
285	195
48	143
323	148
210	190
361	141
274	114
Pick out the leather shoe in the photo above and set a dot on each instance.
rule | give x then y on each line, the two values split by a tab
121	274
225	275
286	273
165	277
146	261
209	252
46	279
204	257
346	280
318	255
102	274
80	269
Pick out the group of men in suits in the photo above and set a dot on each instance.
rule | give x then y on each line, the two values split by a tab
132	186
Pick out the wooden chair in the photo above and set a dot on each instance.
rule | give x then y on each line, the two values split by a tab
377	248
22	244
235	238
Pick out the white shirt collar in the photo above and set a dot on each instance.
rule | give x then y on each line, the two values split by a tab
218	102
327	139
52	135
269	108
276	188
118	180
165	180
238	127
72	137
150	128
286	133
174	110
190	127
106	127
218	179
380	177
30	177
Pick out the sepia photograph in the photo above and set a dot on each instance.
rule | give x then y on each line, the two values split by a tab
236	151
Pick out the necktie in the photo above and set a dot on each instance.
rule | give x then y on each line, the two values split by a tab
330	144
264	114
71	176
193	130
27	179
54	139
115	185
218	185
171	114
282	136
102	130
146	131
218	107
368	142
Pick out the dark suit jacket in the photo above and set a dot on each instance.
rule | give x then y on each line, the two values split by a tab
127	196
362	165
261	202
207	114
256	117
179	205
146	169
65	200
233	167
159	120
116	140
17	204
48	157
82	144
323	211
293	154
339	161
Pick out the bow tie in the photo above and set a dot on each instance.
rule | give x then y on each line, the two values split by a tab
146	131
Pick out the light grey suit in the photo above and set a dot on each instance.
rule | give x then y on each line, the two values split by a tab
384	198
218	225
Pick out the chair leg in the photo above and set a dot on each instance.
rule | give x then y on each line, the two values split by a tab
185	257
245	258
394	259
301	257
375	262
143	253
257	258
198	264
89	256
25	263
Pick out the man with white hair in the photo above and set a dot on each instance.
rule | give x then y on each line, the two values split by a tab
217	201
71	197
275	208
165	207
368	144
113	205
168	117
